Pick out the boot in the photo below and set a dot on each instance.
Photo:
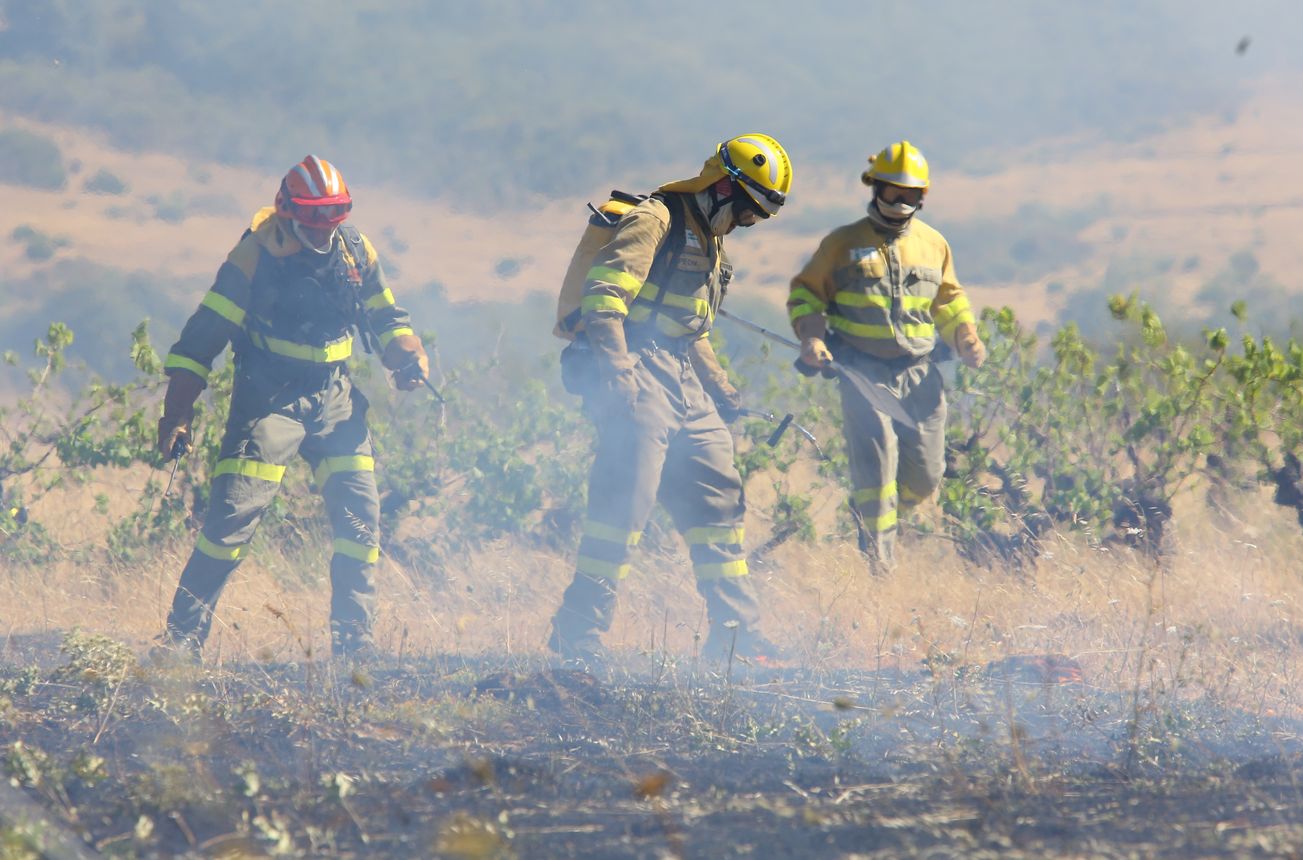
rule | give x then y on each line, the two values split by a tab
585	613
734	616
878	551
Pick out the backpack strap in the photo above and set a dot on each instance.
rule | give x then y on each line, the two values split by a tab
668	255
354	251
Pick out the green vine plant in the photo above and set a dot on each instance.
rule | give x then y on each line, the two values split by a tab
1064	437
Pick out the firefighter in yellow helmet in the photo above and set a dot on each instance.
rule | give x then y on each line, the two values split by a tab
288	300
877	294
660	399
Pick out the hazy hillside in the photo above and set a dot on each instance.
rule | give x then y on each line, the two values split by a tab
486	100
1078	150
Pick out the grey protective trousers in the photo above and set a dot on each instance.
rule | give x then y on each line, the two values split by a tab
893	467
266	428
672	447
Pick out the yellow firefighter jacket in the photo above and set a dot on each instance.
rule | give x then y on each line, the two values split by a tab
663	289
886	296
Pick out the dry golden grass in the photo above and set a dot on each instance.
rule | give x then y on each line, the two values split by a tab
1222	618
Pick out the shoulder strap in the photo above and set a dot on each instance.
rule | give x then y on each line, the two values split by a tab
667	256
354	248
353	245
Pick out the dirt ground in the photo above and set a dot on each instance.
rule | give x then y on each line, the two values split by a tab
662	757
1095	705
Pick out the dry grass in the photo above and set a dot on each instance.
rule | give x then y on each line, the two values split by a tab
1221	618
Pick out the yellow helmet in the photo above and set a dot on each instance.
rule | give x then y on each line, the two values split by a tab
760	165
899	164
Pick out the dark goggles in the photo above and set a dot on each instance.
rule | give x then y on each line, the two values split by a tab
775	197
889	193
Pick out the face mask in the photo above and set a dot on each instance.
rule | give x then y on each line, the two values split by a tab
302	235
719	211
898	211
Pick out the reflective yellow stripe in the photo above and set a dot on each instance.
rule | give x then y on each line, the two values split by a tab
361	552
726	570
603	569
221	553
649	291
876	332
611	534
336	465
317	354
909	498
886	522
639	313
616	278
700	307
794	314
713	534
223	307
671	327
862	300
387	336
604	303
175	362
865	495
951	314
918	330
806	297
382	299
250	469
916	303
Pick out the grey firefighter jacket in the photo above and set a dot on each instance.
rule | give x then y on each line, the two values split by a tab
287	314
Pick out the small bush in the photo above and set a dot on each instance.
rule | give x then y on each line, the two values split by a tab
105	182
31	159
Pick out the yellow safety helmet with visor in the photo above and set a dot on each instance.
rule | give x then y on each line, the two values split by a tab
900	164
760	165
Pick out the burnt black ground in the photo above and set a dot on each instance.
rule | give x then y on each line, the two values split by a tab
507	757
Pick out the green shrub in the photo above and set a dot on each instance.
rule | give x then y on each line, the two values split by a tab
31	159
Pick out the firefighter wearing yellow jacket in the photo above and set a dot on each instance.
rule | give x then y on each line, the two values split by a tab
885	289
660	398
288	299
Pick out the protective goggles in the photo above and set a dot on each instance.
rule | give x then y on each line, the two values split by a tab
888	193
329	212
775	197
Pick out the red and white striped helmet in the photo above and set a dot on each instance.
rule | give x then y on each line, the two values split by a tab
314	194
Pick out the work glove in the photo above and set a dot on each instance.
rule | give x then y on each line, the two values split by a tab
972	351
618	385
815	353
183	389
406	359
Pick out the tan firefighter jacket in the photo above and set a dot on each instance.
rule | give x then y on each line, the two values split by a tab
287	310
665	286
888	297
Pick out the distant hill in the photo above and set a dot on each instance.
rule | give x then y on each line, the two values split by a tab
487	103
1193	218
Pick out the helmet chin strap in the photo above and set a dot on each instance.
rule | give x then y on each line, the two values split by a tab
301	235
